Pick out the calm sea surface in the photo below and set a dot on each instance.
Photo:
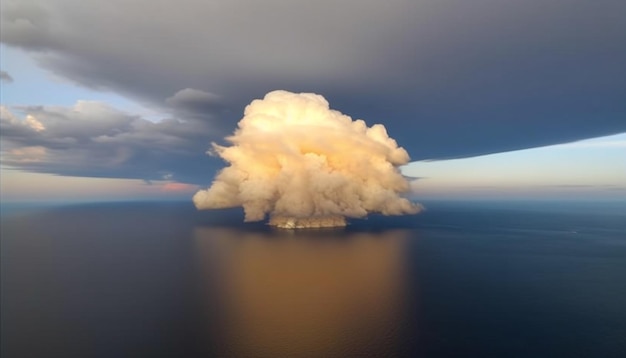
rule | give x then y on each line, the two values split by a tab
459	280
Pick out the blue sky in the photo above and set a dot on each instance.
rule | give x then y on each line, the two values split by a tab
35	85
588	169
483	97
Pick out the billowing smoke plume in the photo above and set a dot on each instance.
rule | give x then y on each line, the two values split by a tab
305	165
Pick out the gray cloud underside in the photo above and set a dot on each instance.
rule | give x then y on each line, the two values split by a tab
5	77
448	78
92	139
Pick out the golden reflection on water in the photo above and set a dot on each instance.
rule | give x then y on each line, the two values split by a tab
301	294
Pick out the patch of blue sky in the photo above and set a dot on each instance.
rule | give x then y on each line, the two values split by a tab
584	169
33	85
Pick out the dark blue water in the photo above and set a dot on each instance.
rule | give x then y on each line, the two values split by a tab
459	280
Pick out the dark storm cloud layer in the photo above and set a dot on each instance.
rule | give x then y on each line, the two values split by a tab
448	78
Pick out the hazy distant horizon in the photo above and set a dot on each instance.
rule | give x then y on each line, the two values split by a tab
613	205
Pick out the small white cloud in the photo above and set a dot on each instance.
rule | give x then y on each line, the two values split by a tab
34	124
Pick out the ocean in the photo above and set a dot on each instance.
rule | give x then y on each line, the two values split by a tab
462	279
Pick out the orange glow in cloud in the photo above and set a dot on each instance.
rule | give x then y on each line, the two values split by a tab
29	154
306	165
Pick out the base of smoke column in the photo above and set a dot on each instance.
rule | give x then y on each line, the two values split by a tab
285	222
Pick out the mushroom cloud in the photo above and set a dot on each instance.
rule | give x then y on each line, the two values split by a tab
306	165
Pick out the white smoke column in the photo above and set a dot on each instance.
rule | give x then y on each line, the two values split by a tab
305	165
